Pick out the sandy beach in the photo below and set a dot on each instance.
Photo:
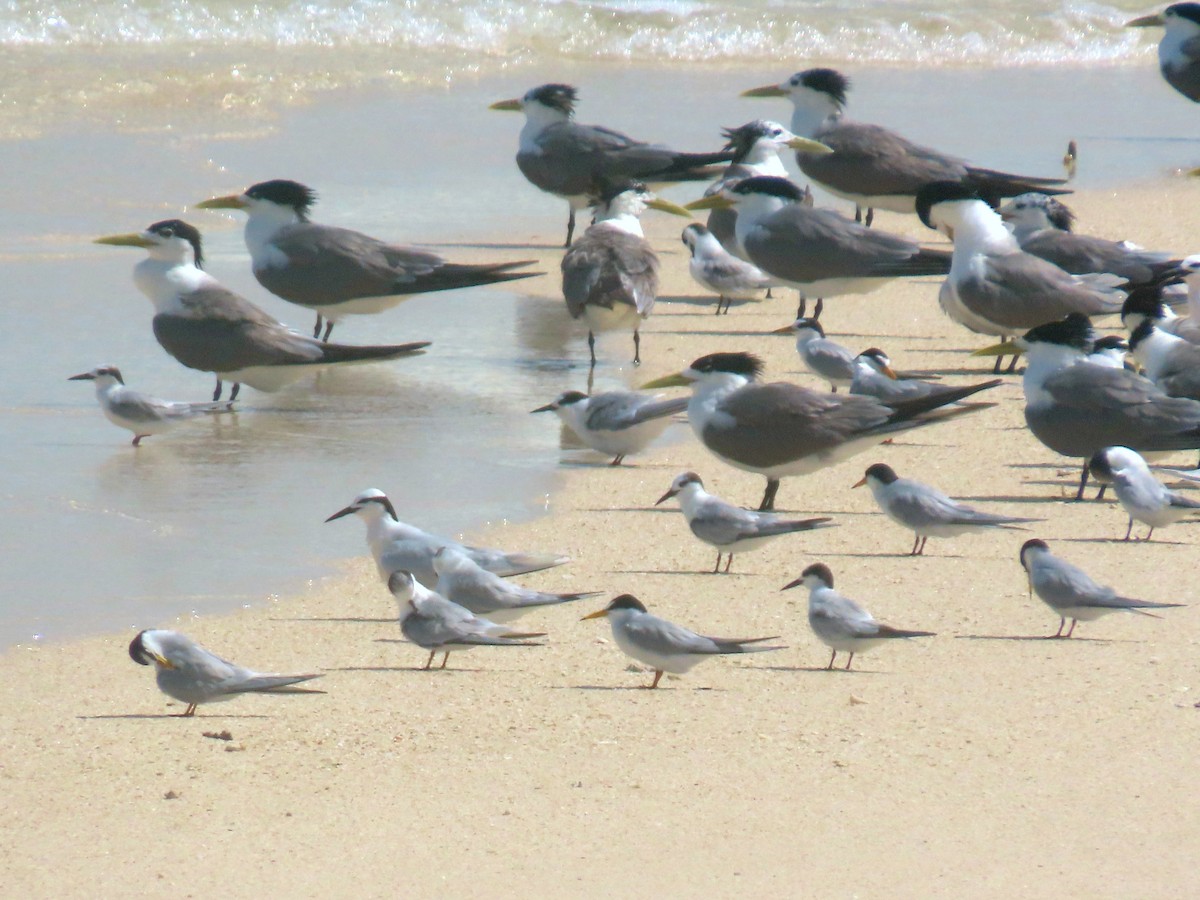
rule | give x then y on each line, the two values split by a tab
984	762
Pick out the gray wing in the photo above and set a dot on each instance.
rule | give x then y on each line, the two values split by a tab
838	616
1083	254
871	160
571	157
1020	291
1180	376
607	267
921	505
616	410
1062	584
664	638
829	359
139	407
722	523
890	390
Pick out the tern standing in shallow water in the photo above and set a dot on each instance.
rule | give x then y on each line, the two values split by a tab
336	271
1138	491
140	413
665	646
615	422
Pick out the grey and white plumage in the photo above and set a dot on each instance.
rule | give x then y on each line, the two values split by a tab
463	581
1168	360
822	356
716	269
1071	593
1140	494
397	545
1109	350
665	646
563	157
840	623
208	327
778	430
616	423
438	625
873	166
190	674
337	271
875	377
1179	48
140	413
926	511
731	529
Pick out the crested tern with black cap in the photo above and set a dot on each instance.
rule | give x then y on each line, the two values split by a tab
779	430
1179	49
871	165
140	413
1141	495
822	356
615	422
713	267
336	271
208	327
665	646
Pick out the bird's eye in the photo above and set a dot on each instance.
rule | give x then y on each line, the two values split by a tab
168	232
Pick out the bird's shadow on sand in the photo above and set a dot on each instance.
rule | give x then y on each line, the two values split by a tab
1118	540
409	669
174	716
1043	638
358	619
644	688
834	671
672	572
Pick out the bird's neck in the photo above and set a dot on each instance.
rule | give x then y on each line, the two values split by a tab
537	119
691	498
979	229
708	394
1153	349
814	114
623	222
1045	360
164	281
261	228
763	158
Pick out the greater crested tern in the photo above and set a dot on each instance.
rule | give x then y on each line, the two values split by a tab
567	159
336	271
616	423
397	545
190	674
875	377
926	511
871	165
778	430
1141	495
208	327
729	528
822	356
436	624
842	624
1075	407
140	413
1071	593
463	581
610	277
1179	49
819	252
994	287
665	646
716	269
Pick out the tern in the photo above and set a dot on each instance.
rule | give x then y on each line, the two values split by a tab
1110	350
336	271
1166	359
567	159
926	511
875	377
778	430
610	277
716	269
870	165
1075	407
994	287
140	413
190	674
839	622
1142	496
823	357
208	327
436	624
665	646
463	581
819	252
397	545
615	422
1071	592
729	528
1179	49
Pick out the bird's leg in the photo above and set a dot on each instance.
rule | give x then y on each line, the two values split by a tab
429	662
570	227
1148	533
833	388
617	459
328	330
1083	480
317	327
1071	630
916	544
137	439
592	347
720	300
850	660
717	567
189	712
924	538
769	297
996	365
1012	365
237	386
829	668
445	659
1100	493
768	500
820	306
802	307
870	217
637	347
1061	624
1129	530
217	391
658	673
728	562
591	379
857	213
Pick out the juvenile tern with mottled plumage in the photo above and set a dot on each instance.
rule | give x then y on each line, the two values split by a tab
140	413
615	422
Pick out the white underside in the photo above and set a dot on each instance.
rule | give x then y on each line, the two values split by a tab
620	317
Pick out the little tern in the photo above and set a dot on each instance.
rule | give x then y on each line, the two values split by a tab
1141	495
616	423
926	511
716	269
875	377
839	622
994	287
1109	350
1179	49
610	277
819	252
436	624
336	271
208	327
778	430
823	357
665	646
463	581
140	413
870	165
398	545
729	528
1071	593
190	674
1166	359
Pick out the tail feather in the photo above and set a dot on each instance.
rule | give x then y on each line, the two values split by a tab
451	276
1002	184
341	353
889	632
794	525
270	683
926	261
523	563
908	409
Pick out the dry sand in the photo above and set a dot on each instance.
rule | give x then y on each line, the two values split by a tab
982	762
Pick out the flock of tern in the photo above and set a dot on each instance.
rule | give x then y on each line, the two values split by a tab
1016	271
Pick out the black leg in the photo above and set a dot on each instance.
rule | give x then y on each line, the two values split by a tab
570	227
328	330
870	218
237	386
858	219
802	307
592	348
217	391
317	327
768	500
637	347
820	306
1083	480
